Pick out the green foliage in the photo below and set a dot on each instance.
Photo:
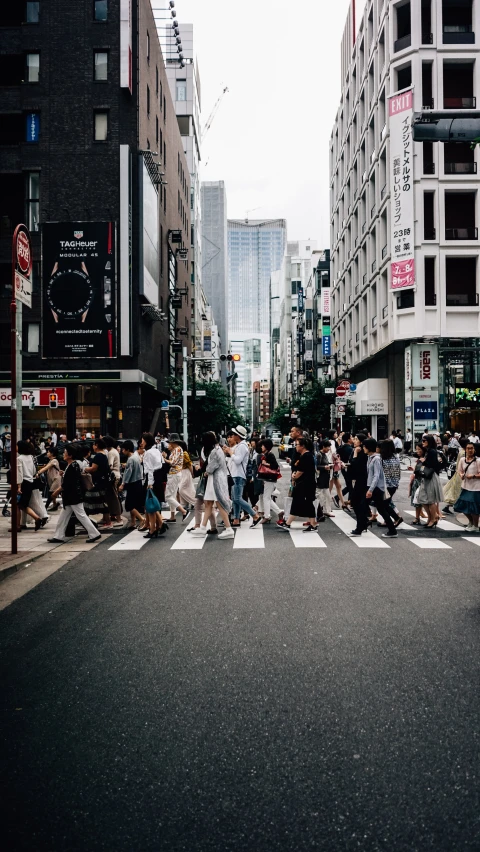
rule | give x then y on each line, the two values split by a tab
314	406
280	417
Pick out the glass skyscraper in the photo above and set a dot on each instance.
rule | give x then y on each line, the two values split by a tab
255	250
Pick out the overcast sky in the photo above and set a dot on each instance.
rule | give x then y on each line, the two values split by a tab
269	140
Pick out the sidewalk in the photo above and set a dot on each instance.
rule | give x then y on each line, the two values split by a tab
33	545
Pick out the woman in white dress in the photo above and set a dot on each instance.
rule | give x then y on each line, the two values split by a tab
216	490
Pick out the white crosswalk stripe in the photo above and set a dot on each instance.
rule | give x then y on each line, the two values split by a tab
133	541
306	540
366	540
246	537
472	540
187	541
430	543
442	525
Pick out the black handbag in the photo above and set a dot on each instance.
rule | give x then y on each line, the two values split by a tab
426	472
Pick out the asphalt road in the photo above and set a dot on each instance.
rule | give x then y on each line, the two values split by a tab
255	700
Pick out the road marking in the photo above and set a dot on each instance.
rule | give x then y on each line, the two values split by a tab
133	541
187	541
367	539
473	540
443	525
430	543
246	537
301	539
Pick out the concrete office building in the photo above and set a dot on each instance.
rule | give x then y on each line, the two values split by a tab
214	253
84	103
255	250
293	341
184	80
405	296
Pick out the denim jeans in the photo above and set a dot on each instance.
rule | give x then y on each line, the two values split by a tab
238	502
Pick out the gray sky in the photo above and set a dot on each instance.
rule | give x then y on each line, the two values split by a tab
269	140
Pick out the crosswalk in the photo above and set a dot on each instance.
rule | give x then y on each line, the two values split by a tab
260	538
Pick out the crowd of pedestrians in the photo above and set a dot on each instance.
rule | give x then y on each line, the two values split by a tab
235	480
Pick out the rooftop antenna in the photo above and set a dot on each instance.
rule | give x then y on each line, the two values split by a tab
250	211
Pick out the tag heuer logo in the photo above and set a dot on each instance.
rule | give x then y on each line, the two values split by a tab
78	235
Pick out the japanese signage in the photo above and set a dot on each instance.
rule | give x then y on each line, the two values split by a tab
325	301
79	278
372	406
40	396
402	270
32	127
126	45
424	366
22	251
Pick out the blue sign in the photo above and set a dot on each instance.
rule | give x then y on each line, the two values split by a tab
32	128
353	387
326	344
164	405
425	410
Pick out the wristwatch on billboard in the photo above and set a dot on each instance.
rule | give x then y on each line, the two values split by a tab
69	294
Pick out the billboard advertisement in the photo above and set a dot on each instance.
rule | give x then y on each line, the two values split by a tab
126	44
79	290
40	396
402	269
149	241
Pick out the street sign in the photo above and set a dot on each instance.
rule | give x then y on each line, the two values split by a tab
326	345
345	384
341	391
23	289
329	390
22	249
353	387
341	409
201	393
164	405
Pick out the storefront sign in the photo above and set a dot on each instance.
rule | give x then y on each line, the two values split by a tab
402	219
326	345
372	406
79	290
424	365
325	301
425	410
22	252
467	397
40	396
32	127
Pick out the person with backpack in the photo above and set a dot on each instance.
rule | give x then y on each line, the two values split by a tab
72	498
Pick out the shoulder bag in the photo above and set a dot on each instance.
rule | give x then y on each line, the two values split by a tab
202	484
426	472
264	471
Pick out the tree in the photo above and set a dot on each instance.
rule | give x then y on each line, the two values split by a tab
314	406
280	416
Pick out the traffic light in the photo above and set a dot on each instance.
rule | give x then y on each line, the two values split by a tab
230	358
446	126
236	358
53	400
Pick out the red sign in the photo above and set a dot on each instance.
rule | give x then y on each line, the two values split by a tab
61	396
344	384
341	391
23	251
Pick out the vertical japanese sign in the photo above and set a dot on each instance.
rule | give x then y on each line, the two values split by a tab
126	45
326	328
400	110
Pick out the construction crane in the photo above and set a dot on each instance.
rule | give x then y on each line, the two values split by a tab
213	113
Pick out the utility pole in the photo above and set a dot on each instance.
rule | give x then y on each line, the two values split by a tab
185	397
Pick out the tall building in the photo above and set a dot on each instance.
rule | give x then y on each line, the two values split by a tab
84	104
214	253
255	251
404	218
184	80
293	354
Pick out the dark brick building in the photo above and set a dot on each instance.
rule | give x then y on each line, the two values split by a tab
83	98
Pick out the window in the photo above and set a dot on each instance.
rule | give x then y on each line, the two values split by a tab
33	337
181	90
164	109
156	130
461	281
100	133
148	46
148	100
406	299
156	79
100	66
430	298
33	67
32	12
100	10
32	200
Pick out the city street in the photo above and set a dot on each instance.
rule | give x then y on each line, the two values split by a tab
283	692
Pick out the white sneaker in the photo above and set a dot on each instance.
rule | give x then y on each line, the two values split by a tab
200	531
471	528
227	533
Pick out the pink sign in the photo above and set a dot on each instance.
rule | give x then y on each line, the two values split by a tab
400	103
402	274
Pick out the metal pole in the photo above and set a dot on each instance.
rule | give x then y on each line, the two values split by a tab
13	425
19	327
185	397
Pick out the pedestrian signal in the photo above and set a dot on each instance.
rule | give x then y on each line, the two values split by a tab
53	400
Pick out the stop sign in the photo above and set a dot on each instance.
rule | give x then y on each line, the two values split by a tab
341	391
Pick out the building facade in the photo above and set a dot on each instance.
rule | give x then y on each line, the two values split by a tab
92	159
214	253
255	250
404	217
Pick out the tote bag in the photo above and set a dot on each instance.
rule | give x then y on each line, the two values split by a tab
151	503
